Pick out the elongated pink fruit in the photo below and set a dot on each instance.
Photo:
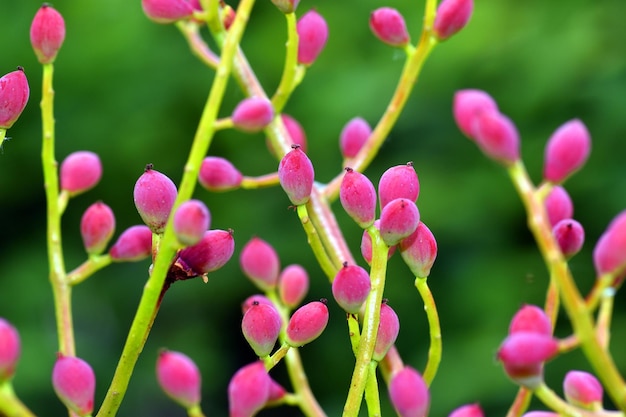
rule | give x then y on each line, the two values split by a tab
408	393
9	350
154	196
74	383
134	244
179	378
47	33
358	197
96	227
80	171
307	323
260	263
312	33
211	253
248	390
14	93
388	25
566	151
296	175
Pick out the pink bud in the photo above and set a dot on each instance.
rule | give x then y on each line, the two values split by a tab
566	151
261	326
582	389
468	410
570	236
523	353
296	174
366	245
307	323
167	11
191	220
47	33
398	220
497	137
154	196
559	205
80	171
255	298
9	350
531	319
353	136
253	114
134	244
468	106
211	253
228	16
277	392
219	174
179	378
297	135
286	6
293	284
14	93
74	383
312	33
408	393
399	181
350	287
358	197
388	25
388	329
96	227
609	253
419	251
260	263
249	390
452	16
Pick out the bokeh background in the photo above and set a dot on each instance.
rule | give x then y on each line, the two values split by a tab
129	90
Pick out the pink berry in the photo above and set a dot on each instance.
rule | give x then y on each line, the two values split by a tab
253	114
468	105
249	390
531	319
295	130
566	151
312	33
388	25
47	33
96	227
497	137
307	323
219	174
9	350
468	410
211	253
582	389
559	205
296	175
14	93
350	287
609	254
419	250
388	329
366	245
191	219
452	16
261	326
154	196
408	393
523	354
353	136
286	6
277	392
179	378
570	236
255	299
74	383
399	181
398	220
293	285
134	244
167	11
80	171
260	263
358	197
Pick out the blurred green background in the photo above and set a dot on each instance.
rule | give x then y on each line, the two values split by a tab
129	90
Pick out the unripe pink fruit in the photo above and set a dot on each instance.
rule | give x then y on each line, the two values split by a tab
468	105
366	245
582	389
388	25
497	137
219	174
96	227
295	130
293	285
261	326
80	171
408	393
74	383
609	253
566	151
167	11
179	378
255	298
296	175
523	354
134	244
452	16
312	35
191	220
388	329
398	220
353	136
9	350
350	287
307	323
419	250
468	410
249	390
14	93
47	33
399	181
570	236
210	254
154	196
559	205
531	319
253	114
260	263
358	197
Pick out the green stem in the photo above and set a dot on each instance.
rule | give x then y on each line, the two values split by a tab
521	402
434	351
195	411
316	244
268	180
307	402
556	403
288	80
354	332
372	397
88	268
10	405
198	46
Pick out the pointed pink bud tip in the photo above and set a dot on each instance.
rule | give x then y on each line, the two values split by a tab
255	299
388	329
96	227
523	354
358	197
531	319
408	393
398	182
296	175
134	244
388	25
398	220
609	254
179	378
570	236
582	389
154	196
366	245
211	253
286	6
14	93
219	174
468	106
468	410
191	219
261	326
9	350
452	16
167	11
419	251
260	263
74	383
353	136
307	323
293	285
566	151
47	33
249	390
312	35
558	205
350	287
80	171
253	114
